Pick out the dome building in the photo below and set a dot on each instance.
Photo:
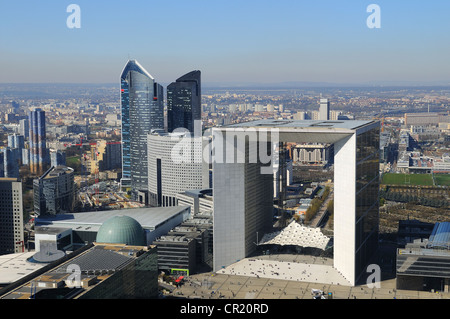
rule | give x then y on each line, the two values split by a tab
73	231
121	230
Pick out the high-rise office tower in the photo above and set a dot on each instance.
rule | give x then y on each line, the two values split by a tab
109	155
38	148
184	102
57	158
15	106
324	110
10	161
105	156
25	156
142	110
175	165
16	141
11	219
2	164
24	128
12	158
54	192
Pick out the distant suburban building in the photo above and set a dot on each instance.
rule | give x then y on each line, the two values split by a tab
324	110
426	118
312	153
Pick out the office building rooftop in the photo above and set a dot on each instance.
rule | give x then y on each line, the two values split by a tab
94	265
56	171
149	218
303	124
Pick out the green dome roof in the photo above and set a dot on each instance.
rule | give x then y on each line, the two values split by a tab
121	230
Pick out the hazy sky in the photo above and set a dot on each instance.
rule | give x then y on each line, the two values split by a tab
228	40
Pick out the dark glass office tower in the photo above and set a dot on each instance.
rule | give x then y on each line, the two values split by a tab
184	102
38	148
125	108
142	111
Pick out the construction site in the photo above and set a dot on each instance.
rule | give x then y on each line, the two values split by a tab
98	166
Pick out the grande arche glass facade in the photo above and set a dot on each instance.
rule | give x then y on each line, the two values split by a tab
367	204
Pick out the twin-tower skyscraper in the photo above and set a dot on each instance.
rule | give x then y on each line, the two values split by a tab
142	105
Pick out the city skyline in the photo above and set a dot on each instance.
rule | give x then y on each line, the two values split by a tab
224	150
235	42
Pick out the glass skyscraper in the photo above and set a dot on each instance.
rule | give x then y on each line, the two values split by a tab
142	111
38	148
366	201
184	102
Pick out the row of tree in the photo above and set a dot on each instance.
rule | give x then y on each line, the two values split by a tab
412	198
313	209
316	203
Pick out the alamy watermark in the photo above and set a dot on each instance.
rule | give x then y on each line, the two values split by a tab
374	20
237	145
74	280
374	279
74	19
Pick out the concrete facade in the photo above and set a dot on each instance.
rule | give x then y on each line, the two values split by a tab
242	211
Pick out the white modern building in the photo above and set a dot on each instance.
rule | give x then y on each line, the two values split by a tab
175	164
442	164
16	266
324	110
243	189
61	237
200	201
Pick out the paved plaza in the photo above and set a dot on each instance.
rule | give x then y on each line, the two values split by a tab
287	277
317	271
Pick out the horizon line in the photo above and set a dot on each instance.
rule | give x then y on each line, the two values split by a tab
281	84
